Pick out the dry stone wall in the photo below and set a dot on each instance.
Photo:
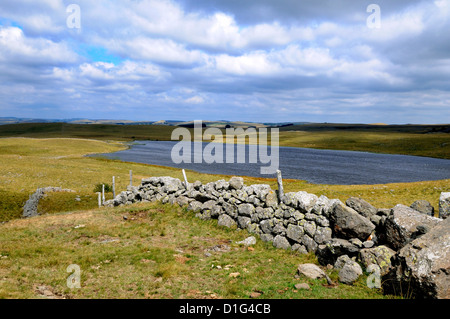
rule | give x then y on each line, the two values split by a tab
304	222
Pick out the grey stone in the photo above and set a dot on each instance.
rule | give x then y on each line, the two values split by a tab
423	206
341	261
401	225
305	201
335	247
249	241
361	206
423	265
350	272
444	205
322	235
246	209
294	232
195	206
266	237
309	243
227	221
236	182
243	221
380	255
302	286
368	244
311	271
347	223
281	242
310	228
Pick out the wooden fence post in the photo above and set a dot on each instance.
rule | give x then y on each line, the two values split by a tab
280	185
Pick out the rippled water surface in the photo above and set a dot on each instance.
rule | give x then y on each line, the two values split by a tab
315	166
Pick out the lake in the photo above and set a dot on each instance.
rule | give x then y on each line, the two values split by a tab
313	165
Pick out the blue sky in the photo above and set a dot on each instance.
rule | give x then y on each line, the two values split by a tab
253	60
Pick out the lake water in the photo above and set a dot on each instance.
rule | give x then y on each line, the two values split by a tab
313	165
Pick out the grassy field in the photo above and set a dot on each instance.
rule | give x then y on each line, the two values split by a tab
158	252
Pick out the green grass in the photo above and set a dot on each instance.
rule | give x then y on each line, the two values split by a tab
158	252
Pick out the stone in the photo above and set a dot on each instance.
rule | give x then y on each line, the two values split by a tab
243	222
335	247
305	201
401	225
361	206
227	221
195	206
368	244
309	243
302	286
422	267
444	205
310	228
246	209
341	261
347	223
266	237
236	182
170	184
294	232
249	241
423	206
322	235
281	242
271	199
350	272
380	255
311	271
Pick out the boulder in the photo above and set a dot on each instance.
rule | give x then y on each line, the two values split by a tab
423	206
422	267
295	232
311	271
305	201
404	224
281	242
328	253
341	261
380	255
361	206
444	205
347	223
350	272
227	221
236	182
246	209
249	241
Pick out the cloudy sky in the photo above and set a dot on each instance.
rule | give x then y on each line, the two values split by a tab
251	60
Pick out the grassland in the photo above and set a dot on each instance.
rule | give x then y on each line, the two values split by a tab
158	251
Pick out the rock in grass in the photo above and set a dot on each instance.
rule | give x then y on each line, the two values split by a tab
311	271
227	221
423	206
350	272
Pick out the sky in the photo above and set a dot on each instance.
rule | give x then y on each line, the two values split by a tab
340	61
